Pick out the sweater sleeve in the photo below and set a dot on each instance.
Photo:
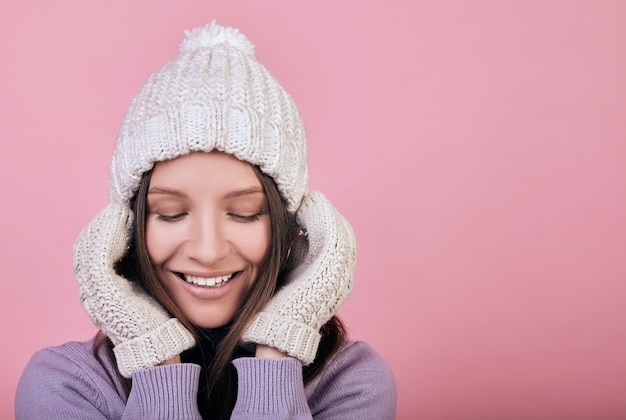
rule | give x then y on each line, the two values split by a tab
67	382
270	389
164	392
356	383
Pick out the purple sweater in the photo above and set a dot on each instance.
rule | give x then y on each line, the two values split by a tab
67	382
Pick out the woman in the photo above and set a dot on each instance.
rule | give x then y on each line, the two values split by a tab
212	274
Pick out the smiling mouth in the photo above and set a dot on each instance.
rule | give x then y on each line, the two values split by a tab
207	281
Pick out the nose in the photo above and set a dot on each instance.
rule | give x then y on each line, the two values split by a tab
207	243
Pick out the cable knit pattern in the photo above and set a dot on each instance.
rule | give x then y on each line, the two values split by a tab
213	95
315	289
143	332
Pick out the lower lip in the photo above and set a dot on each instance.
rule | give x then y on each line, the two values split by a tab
209	293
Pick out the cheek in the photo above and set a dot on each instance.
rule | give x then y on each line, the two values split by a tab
255	247
157	242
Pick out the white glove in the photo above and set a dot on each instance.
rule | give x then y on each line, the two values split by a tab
315	289
143	333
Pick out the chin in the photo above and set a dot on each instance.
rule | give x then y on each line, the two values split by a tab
210	322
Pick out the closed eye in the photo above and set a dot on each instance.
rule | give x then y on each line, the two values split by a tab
172	218
245	219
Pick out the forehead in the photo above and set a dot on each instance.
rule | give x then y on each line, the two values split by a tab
210	162
208	170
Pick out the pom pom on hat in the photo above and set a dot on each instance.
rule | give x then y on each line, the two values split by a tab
210	35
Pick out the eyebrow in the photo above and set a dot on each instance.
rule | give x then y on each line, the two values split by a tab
167	191
229	195
244	191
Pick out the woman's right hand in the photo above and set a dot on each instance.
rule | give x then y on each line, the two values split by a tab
143	332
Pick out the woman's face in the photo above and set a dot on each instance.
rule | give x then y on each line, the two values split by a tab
207	233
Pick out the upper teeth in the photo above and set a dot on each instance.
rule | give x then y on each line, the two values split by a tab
208	281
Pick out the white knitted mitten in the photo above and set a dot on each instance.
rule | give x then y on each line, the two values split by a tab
143	333
315	288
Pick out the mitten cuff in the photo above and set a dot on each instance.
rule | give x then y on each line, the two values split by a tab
152	348
294	338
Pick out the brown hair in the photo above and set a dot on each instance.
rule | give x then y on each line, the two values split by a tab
218	388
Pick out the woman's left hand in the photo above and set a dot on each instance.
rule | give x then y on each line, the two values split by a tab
315	289
266	352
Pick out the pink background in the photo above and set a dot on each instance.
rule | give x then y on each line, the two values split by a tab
477	147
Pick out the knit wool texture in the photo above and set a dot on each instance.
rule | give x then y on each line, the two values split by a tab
315	289
143	333
213	96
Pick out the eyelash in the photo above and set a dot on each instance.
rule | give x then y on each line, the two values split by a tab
170	219
236	217
245	219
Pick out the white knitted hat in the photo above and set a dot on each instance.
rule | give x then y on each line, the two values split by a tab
213	96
